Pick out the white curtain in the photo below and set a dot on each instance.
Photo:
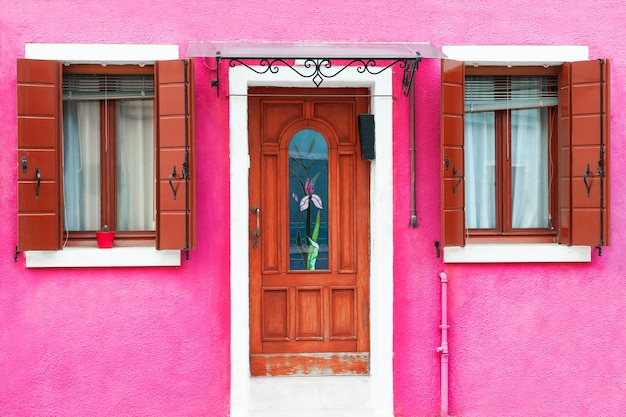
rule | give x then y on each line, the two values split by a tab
81	165
529	157
480	170
529	153
135	167
134	160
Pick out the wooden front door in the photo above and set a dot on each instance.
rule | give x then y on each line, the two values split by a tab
309	232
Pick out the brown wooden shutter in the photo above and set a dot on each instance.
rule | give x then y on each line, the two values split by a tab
175	157
38	146
584	145
452	158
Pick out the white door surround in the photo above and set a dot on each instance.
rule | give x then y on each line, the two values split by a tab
334	396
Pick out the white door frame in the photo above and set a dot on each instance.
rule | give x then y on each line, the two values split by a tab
358	396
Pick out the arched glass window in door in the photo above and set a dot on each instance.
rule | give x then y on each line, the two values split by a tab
308	185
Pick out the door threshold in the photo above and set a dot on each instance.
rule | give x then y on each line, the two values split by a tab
313	396
316	413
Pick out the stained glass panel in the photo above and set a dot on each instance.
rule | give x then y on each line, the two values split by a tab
308	186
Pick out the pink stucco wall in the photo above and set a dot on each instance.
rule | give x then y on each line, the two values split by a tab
526	340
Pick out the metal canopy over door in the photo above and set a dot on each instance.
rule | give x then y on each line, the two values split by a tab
309	232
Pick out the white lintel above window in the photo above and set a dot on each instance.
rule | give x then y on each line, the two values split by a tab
86	53
514	55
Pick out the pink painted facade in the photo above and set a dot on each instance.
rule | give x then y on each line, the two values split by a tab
525	340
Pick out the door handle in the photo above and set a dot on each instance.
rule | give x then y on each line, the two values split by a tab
257	232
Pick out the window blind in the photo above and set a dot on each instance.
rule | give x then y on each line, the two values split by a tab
109	86
489	93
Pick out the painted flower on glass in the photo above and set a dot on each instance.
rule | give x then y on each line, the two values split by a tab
310	197
309	249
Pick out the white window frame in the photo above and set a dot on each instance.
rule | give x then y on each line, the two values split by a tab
102	54
515	55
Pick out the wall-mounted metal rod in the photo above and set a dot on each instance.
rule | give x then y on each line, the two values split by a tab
413	220
601	160
185	173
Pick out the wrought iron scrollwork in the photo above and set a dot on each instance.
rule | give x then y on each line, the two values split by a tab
320	69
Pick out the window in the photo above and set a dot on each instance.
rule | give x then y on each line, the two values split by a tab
108	151
510	122
105	145
524	154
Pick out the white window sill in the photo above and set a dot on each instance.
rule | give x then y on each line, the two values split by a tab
514	252
77	257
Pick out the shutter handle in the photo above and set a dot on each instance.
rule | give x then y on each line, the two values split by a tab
24	165
460	175
173	175
38	175
587	186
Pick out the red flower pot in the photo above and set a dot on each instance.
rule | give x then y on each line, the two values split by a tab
105	239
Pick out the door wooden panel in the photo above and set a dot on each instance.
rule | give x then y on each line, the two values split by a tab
275	318
278	114
308	321
332	113
343	311
309	314
347	214
269	245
